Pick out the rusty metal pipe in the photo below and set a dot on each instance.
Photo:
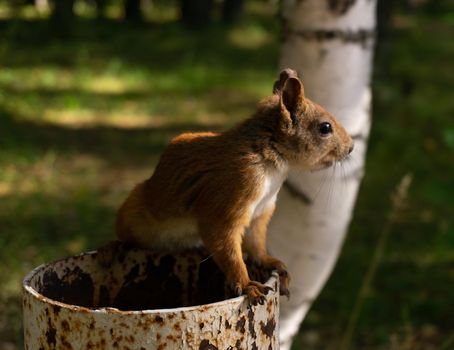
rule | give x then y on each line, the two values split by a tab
144	300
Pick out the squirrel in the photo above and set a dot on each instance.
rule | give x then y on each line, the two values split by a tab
220	189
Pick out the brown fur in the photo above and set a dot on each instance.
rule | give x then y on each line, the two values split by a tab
219	189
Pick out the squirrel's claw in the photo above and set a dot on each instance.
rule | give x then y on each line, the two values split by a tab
284	280
256	292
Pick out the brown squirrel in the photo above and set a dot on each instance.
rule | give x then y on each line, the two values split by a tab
219	189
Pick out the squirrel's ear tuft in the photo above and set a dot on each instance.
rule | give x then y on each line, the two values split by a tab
292	94
283	77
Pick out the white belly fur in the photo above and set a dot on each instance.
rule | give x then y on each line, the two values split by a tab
173	234
271	186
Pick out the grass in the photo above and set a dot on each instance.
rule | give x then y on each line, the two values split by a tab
83	119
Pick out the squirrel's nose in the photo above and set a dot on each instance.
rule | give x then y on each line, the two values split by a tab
351	148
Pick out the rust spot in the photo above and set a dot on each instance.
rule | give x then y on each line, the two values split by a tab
177	327
65	344
171	338
92	325
74	287
250	316
144	289
65	326
56	309
227	325
238	344
201	324
119	339
240	324
159	319
254	346
51	334
269	306
269	327
162	346
205	345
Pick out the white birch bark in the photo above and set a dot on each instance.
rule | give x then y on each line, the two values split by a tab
330	44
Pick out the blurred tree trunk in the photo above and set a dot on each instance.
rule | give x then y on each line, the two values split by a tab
330	43
62	18
63	11
100	8
231	10
196	13
132	10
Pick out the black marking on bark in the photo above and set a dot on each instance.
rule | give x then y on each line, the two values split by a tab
340	6
206	345
361	36
295	192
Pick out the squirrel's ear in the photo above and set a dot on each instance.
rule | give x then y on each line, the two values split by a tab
283	77
292	94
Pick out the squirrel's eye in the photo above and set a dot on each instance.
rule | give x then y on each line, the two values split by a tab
325	128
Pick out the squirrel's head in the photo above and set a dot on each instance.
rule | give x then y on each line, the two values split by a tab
309	137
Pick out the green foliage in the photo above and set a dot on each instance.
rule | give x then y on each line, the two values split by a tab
82	119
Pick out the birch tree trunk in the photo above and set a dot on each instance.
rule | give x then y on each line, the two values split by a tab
330	44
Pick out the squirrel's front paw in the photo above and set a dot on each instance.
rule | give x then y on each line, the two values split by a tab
284	277
255	291
284	280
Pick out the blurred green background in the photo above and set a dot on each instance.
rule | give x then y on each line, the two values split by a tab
87	105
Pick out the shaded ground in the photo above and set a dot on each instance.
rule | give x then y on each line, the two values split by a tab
83	119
